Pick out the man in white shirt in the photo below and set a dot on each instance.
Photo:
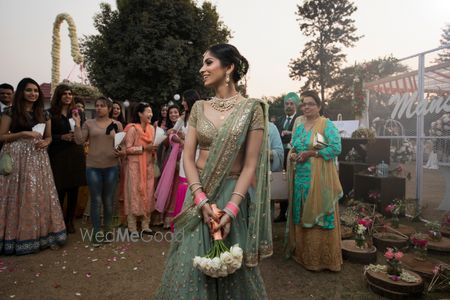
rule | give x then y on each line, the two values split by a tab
6	96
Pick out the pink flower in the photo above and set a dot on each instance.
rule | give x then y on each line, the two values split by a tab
390	208
398	255
365	222
389	254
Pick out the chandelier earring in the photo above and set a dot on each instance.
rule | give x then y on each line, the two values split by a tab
227	79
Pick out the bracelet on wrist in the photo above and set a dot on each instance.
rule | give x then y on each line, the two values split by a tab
238	194
196	189
192	184
232	209
199	198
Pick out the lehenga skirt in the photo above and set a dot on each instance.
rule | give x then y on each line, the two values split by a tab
30	214
182	281
319	249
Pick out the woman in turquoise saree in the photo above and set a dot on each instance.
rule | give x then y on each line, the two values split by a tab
313	228
232	135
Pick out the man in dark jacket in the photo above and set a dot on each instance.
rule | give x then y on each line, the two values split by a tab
285	125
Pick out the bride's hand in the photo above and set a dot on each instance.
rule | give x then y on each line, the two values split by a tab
208	214
224	225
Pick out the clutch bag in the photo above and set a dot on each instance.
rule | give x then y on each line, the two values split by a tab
319	141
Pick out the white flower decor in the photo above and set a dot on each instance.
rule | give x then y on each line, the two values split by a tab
56	46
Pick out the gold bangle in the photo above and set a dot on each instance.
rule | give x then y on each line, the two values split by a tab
239	194
198	188
192	184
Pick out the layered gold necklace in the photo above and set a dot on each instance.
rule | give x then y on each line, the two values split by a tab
224	104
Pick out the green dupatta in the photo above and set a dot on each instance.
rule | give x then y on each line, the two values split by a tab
230	139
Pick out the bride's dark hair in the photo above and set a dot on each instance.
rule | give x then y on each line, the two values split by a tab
229	55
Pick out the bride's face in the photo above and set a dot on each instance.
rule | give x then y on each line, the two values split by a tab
212	71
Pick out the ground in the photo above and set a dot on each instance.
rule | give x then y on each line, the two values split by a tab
133	271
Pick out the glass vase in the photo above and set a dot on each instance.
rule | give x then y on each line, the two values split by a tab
394	268
420	253
360	241
395	221
435	235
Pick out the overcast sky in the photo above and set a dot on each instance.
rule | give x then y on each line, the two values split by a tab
265	31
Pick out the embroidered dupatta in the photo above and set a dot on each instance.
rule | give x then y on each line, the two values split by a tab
230	139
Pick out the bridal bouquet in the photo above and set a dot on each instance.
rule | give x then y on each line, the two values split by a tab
219	261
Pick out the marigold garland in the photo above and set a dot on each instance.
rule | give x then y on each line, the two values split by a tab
56	46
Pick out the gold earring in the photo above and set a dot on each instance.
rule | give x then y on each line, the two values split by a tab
227	79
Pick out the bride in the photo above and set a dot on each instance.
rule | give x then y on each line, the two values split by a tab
231	132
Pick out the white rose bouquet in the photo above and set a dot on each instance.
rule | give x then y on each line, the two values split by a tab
219	261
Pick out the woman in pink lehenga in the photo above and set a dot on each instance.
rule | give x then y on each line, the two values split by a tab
138	179
189	98
165	193
30	214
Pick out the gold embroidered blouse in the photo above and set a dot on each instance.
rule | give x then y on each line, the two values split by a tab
207	132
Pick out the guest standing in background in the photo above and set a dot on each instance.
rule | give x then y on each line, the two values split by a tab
30	214
285	125
66	157
117	113
188	100
102	164
165	192
313	228
138	179
162	118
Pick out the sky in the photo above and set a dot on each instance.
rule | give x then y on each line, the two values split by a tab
266	33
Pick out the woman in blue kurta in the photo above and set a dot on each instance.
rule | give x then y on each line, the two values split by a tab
313	224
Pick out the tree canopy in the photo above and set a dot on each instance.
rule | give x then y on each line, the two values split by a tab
445	41
151	50
329	27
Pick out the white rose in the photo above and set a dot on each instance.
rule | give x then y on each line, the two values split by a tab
196	261
236	264
236	251
216	264
222	273
208	263
226	258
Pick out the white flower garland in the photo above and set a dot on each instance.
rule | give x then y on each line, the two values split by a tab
56	46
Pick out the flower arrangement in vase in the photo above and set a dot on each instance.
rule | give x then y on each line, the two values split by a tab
420	242
394	269
362	231
395	209
434	231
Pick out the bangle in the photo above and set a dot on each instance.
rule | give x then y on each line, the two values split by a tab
239	194
232	208
192	184
196	189
199	198
202	203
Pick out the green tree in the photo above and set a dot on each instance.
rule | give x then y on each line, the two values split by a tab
330	27
151	50
444	55
347	86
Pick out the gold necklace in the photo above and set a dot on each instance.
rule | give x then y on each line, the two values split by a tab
224	104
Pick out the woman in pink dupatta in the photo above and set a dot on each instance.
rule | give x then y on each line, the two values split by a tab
165	193
138	179
189	98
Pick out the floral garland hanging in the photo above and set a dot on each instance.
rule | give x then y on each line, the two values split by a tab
56	46
358	101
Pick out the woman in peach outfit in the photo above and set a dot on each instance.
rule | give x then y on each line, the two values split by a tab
139	180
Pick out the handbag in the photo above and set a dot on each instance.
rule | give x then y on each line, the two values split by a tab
6	164
279	185
319	141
